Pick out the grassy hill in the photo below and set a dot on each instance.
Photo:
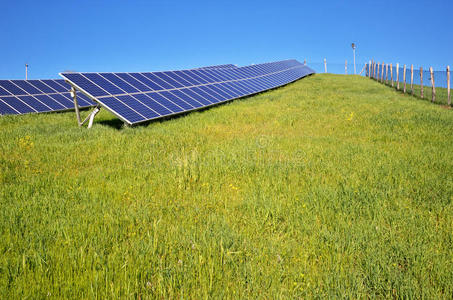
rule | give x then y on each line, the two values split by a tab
333	186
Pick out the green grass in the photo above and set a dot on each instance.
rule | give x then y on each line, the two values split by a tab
441	93
333	186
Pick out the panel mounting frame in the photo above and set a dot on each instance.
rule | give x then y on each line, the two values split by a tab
90	116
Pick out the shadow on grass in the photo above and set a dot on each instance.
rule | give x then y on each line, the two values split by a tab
118	124
113	123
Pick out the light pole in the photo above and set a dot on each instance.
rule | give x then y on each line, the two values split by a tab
26	71
353	50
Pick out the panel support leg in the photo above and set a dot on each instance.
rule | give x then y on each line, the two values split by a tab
76	105
92	115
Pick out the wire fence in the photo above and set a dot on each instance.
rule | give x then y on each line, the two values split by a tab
422	82
425	83
346	67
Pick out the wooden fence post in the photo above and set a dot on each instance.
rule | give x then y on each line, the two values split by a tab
412	79
404	79
346	67
391	73
369	69
397	76
378	71
363	69
433	99
386	73
382	73
372	69
325	65
448	86
375	70
421	82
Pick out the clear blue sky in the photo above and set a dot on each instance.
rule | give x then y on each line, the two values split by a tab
56	35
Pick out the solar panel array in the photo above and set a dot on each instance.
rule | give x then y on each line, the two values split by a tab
219	66
140	97
37	96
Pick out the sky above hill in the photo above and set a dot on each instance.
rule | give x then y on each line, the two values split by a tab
117	35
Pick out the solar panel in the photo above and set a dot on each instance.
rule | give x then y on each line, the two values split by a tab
226	66
48	95
141	97
37	96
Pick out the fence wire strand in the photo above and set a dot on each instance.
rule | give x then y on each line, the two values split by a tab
382	73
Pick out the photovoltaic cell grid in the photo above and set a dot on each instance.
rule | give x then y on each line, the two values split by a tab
37	96
140	97
219	67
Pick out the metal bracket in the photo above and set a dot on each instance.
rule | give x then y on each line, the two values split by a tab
90	117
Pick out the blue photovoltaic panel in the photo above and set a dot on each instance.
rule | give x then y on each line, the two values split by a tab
226	66
37	96
153	104
57	87
151	84
16	105
165	102
140	97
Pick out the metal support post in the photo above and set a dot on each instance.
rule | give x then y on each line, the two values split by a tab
92	115
76	105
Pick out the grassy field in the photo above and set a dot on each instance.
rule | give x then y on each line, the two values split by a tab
441	93
333	186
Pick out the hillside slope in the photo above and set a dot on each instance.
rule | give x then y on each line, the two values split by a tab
333	186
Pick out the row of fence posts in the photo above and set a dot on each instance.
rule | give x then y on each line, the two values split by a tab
325	64
376	71
345	66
